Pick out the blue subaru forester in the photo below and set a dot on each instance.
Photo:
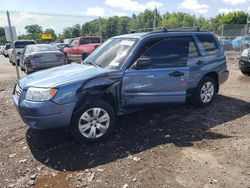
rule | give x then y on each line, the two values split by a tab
125	73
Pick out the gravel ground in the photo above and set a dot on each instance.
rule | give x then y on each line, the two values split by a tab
174	146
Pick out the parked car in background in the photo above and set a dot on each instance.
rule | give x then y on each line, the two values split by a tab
60	46
19	46
80	48
1	49
227	45
40	56
5	49
244	63
240	42
68	41
127	72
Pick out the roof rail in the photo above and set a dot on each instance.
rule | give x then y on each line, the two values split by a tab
191	29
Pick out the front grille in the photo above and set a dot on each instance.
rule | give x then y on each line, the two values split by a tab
18	91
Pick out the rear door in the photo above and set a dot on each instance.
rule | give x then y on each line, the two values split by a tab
164	81
212	55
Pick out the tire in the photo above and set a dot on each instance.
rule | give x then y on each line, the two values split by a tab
22	69
84	118
84	56
205	92
245	72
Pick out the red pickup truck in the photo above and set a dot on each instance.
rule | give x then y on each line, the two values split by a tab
81	47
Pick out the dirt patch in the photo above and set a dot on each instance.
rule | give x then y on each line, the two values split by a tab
173	146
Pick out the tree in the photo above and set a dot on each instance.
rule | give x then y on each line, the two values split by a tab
67	32
178	20
112	26
145	20
34	29
2	36
238	17
76	31
123	24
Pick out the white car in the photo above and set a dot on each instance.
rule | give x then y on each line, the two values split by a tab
19	46
5	49
1	49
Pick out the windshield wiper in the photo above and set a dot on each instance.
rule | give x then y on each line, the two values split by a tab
91	63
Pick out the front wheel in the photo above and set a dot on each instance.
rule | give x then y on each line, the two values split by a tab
93	122
205	92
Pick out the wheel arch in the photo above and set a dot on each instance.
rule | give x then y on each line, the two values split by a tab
215	76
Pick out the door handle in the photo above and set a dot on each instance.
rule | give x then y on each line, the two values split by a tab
176	74
199	62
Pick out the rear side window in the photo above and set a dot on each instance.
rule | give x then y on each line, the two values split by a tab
89	40
168	53
209	44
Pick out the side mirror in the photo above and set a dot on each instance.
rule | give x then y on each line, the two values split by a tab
67	46
142	63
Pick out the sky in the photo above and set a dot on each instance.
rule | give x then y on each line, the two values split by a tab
59	14
105	8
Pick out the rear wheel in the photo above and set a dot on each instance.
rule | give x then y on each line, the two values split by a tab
93	122
205	92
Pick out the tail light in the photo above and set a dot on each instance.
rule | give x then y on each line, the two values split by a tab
33	57
59	55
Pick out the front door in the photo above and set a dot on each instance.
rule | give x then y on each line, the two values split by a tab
165	80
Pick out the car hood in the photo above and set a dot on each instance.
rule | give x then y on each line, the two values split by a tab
60	75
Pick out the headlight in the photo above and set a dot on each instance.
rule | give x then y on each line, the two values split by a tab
245	53
40	94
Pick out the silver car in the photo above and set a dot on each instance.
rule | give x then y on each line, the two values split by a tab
40	56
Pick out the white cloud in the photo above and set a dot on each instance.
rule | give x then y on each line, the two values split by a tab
227	10
235	2
95	11
194	6
248	8
132	5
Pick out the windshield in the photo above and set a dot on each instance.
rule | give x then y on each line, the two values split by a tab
43	48
112	53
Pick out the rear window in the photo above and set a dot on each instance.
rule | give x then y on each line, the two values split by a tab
43	48
89	40
209	44
22	44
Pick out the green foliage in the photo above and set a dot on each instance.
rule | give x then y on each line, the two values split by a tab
2	36
238	17
34	29
143	21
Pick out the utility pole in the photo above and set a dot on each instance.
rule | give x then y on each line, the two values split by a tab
100	28
12	44
155	19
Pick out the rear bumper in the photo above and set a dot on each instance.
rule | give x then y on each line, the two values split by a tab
44	115
223	76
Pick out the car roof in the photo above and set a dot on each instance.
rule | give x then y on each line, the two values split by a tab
160	33
38	45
